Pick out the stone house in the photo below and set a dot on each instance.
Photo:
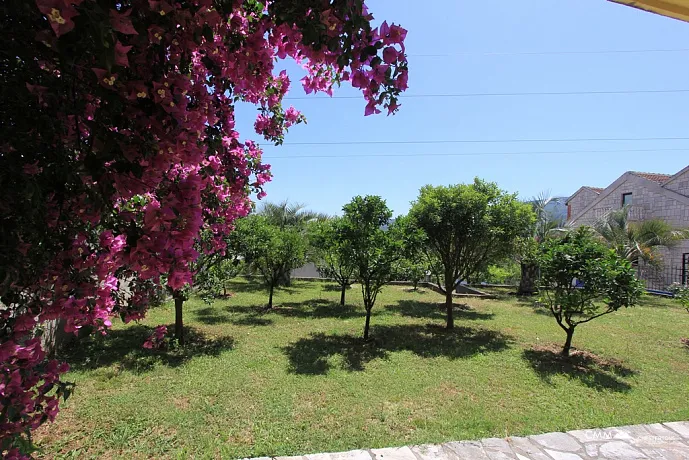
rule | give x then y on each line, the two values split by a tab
648	196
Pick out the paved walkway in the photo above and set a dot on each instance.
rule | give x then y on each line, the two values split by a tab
657	441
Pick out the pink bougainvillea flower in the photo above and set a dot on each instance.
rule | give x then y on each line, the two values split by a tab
390	55
59	14
371	109
121	54
105	78
121	23
160	7
32	169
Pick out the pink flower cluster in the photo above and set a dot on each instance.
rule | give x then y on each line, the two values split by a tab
161	118
26	381
157	339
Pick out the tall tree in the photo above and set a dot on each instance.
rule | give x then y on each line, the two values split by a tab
119	146
467	227
583	280
269	249
332	254
286	214
375	245
637	241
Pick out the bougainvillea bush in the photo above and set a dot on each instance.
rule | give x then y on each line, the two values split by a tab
118	147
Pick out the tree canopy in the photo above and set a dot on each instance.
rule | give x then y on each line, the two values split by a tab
332	254
269	250
583	280
467	227
375	246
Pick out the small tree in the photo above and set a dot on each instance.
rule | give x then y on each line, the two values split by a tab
412	267
583	280
467	227
270	250
290	215
375	246
212	281
681	294
409	269
332	254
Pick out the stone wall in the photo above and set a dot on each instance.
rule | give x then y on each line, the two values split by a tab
680	184
649	201
581	200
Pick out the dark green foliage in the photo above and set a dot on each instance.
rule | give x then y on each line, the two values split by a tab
332	254
269	250
375	246
468	227
583	280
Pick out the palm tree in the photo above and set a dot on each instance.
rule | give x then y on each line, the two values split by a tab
286	214
637	241
543	227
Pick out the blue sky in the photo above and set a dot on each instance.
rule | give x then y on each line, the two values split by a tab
480	43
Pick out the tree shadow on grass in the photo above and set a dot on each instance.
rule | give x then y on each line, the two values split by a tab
537	306
239	316
317	309
312	355
124	348
212	315
334	287
435	310
591	370
255	284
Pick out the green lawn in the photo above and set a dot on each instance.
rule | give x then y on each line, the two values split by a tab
299	380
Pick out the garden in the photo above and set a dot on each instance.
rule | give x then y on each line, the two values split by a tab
299	379
147	306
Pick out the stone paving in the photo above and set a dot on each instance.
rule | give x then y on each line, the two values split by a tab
668	441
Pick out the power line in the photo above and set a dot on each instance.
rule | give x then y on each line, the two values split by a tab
545	53
553	93
466	154
491	141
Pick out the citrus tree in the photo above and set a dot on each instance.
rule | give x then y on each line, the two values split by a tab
333	254
583	280
467	227
375	246
269	250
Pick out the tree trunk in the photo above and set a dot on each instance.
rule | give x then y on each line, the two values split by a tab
449	307
179	324
529	279
270	298
368	323
224	289
342	294
568	342
285	279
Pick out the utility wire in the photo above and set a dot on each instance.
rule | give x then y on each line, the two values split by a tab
465	154
491	141
547	93
544	53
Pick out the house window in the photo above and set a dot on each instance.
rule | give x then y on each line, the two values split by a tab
569	211
626	199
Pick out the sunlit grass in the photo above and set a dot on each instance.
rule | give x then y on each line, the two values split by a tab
299	379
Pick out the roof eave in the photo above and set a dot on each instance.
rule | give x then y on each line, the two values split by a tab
677	9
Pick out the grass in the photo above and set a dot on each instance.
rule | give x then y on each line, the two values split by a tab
299	380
